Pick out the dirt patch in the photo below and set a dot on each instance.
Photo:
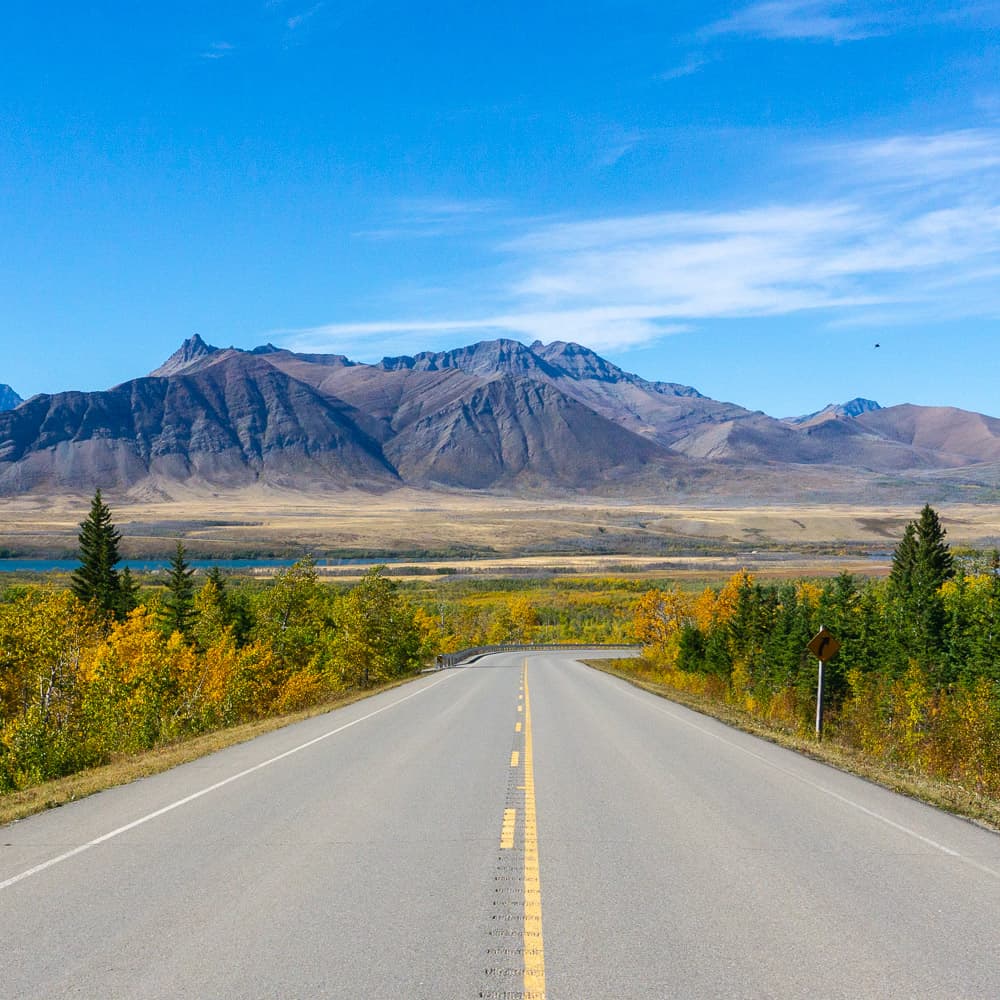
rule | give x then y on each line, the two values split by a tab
891	528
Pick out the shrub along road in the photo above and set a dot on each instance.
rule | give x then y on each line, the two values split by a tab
500	830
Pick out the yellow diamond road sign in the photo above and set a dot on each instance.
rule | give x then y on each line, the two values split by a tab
823	645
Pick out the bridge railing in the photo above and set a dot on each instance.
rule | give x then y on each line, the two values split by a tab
474	652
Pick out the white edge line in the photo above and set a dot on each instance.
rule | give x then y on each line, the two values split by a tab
14	879
813	784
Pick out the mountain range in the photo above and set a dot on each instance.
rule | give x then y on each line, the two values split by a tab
497	416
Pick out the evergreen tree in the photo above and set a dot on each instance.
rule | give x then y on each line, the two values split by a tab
903	562
128	593
218	578
920	565
178	604
934	562
96	581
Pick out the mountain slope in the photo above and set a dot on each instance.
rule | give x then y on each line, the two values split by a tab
960	437
230	423
516	429
8	398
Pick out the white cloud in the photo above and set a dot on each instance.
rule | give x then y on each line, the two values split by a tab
425	217
905	226
604	328
694	63
845	20
218	50
920	159
297	20
833	20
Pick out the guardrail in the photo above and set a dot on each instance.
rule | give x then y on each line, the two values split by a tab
474	652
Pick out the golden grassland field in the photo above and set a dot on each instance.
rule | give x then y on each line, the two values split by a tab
583	534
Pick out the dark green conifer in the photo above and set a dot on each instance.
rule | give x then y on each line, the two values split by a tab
178	604
96	581
128	592
216	576
903	562
934	562
921	563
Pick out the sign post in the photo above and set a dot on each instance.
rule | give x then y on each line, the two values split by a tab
824	647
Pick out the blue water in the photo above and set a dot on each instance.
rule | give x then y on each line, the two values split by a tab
148	565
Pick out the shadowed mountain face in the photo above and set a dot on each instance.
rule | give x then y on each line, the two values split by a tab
494	415
230	423
8	398
513	427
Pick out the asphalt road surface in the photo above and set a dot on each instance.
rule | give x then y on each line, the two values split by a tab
518	829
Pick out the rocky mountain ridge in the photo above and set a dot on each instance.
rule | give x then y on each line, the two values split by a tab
836	411
497	416
8	398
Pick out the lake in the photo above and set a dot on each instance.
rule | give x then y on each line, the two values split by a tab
150	565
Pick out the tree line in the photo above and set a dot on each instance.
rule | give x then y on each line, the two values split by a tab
105	668
916	682
112	665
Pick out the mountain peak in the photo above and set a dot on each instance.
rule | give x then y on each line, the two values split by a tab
8	398
577	361
193	350
488	357
837	411
855	407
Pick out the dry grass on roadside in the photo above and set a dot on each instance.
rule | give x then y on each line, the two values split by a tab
17	805
942	794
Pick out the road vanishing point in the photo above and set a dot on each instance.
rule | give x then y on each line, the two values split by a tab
520	828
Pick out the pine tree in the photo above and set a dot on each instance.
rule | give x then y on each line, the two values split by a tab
216	576
934	563
96	581
128	593
920	565
903	562
178	604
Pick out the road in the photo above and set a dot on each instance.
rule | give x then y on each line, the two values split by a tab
524	827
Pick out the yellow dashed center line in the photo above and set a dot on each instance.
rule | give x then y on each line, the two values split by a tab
515	758
507	830
534	953
517	727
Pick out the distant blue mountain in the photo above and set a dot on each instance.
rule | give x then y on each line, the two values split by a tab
852	408
8	398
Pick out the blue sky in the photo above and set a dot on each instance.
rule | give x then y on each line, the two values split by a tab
743	197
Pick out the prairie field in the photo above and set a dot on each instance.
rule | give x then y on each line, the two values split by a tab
494	533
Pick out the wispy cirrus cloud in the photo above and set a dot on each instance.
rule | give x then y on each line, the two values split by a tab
218	50
922	159
601	327
843	20
297	20
834	20
431	217
896	229
694	63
